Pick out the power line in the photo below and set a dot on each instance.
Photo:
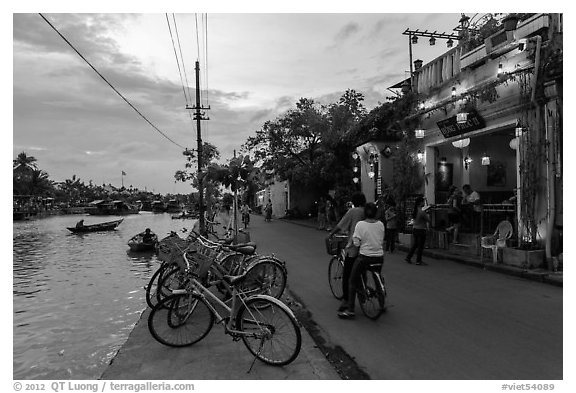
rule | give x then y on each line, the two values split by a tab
109	84
182	57
177	61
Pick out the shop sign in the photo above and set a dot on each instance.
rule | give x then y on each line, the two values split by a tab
450	127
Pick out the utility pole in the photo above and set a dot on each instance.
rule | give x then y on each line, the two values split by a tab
198	116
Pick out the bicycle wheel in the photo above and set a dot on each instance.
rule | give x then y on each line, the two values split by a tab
180	320
174	278
335	277
373	299
265	277
152	287
270	330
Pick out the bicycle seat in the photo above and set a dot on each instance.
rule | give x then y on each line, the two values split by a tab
374	267
233	280
244	248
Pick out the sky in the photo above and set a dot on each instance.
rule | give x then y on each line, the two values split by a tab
253	67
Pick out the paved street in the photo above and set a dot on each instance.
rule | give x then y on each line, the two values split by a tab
445	320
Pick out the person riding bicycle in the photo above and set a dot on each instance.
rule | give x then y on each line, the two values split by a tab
347	225
369	237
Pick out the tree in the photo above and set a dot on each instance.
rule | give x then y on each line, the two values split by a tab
24	161
209	154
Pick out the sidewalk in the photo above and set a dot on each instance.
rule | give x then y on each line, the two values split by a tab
542	275
216	357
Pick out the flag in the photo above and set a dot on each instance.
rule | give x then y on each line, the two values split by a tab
123	173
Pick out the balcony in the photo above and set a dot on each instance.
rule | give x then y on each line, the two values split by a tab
444	68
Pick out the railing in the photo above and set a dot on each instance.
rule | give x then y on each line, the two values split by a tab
438	71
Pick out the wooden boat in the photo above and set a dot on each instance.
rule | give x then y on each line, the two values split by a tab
137	244
103	226
113	208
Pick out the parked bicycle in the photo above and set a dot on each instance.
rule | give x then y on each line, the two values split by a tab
266	274
267	326
372	290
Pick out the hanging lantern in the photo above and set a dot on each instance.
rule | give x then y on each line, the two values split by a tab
432	41
462	143
513	144
355	179
485	159
355	169
419	133
519	131
420	155
414	39
371	174
453	92
355	155
443	160
462	117
449	43
499	69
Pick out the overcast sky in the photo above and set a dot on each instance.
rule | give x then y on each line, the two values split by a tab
257	66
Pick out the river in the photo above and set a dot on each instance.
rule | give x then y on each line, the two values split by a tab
77	297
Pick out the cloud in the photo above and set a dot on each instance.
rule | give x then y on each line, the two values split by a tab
347	31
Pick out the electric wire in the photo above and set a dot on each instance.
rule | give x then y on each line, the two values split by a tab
187	98
109	84
182	57
177	61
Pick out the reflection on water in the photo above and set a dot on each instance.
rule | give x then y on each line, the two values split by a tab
77	297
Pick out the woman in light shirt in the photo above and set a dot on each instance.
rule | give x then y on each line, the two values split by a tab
369	238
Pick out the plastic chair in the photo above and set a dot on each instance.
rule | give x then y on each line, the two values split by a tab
496	241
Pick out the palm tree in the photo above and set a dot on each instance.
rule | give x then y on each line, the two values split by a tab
24	161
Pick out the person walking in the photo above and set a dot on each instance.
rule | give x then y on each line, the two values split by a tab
391	226
368	236
347	225
268	211
330	215
419	228
322	214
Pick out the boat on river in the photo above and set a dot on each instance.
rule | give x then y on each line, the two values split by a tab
103	226
113	208
137	243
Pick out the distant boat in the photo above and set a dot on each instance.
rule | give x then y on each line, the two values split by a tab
114	208
103	226
173	206
158	207
136	243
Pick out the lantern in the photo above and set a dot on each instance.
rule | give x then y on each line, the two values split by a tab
462	143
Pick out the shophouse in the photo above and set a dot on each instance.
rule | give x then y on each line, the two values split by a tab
491	117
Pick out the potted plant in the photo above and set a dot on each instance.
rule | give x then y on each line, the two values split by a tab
510	22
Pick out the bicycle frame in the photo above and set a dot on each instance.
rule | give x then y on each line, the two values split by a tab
205	294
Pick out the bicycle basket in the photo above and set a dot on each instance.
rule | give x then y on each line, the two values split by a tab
199	264
335	243
170	245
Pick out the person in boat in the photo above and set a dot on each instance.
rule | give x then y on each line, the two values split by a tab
148	236
80	224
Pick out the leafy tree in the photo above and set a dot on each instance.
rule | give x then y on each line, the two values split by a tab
24	161
306	144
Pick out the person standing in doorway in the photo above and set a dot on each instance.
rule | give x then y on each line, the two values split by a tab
454	212
419	228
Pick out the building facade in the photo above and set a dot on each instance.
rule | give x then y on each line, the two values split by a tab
490	117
